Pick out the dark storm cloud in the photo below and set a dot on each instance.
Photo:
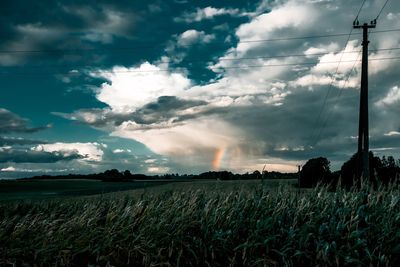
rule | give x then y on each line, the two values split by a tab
33	156
62	29
170	103
164	109
140	28
12	123
302	128
290	128
10	141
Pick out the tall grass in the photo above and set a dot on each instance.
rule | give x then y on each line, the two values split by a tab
207	228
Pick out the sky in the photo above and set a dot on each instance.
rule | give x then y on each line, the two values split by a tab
182	86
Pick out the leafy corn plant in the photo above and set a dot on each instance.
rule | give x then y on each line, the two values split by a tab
243	227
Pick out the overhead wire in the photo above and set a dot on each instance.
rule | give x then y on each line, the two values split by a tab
333	77
132	48
348	77
325	122
74	72
383	7
219	59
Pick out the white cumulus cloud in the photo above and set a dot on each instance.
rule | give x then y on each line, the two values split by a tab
8	169
190	37
208	13
391	98
89	151
130	88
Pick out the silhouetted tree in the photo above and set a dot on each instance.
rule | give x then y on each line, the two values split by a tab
314	171
256	175
112	175
388	170
383	170
127	174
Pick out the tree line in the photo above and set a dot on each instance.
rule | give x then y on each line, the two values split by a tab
383	170
115	175
317	170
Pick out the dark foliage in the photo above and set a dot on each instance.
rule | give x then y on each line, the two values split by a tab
383	170
316	170
279	175
206	227
114	175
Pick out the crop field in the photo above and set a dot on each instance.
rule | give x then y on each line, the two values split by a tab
47	188
206	224
44	189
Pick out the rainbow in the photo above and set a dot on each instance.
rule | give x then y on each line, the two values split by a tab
218	155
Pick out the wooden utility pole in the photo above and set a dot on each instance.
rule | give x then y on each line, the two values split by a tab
363	132
298	175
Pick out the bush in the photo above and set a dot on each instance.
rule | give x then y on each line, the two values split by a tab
383	171
316	170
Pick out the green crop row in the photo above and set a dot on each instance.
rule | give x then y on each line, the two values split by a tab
245	227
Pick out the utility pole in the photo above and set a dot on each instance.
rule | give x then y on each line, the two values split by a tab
298	175
363	132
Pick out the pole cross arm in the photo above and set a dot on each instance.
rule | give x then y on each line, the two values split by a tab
365	25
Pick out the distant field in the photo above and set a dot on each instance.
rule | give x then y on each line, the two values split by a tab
206	223
44	189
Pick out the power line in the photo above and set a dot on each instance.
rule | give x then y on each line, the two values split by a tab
383	7
65	51
338	97
329	88
359	10
178	69
328	92
311	54
333	78
348	77
220	59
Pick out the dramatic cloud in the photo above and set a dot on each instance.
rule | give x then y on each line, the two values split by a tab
120	150
207	13
195	87
8	154
180	139
11	122
102	26
392	133
86	151
130	88
234	116
62	26
393	97
10	141
11	169
166	108
286	18
190	37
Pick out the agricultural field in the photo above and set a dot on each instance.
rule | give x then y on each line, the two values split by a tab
40	189
44	189
205	223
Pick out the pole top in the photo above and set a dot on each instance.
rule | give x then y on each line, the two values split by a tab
356	24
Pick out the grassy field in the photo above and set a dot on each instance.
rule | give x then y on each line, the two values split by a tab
43	189
230	223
